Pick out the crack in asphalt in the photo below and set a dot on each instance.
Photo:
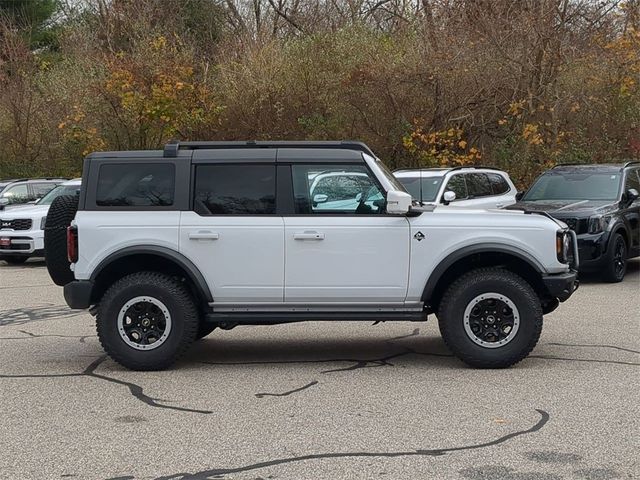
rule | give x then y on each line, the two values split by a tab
136	390
285	394
34	335
595	346
586	360
217	472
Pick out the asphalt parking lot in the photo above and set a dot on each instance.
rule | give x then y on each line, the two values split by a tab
319	400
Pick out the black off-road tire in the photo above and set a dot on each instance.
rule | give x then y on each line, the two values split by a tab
473	284
613	271
180	304
204	329
62	211
15	259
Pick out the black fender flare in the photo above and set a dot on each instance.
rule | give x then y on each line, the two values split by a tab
183	262
463	252
615	227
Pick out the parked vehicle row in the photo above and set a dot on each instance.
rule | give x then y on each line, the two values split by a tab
474	187
599	202
22	226
25	190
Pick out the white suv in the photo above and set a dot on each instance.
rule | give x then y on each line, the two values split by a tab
167	245
477	187
22	227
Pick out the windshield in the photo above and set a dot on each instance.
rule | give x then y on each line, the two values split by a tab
575	186
423	189
59	190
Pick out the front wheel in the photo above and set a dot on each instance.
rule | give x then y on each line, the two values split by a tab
146	321
616	260
490	318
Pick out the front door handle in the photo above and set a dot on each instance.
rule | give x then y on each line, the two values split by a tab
499	205
204	235
308	236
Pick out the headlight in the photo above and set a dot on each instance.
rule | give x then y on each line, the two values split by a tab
563	247
43	221
598	223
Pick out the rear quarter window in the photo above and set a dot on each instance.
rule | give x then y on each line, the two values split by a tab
136	185
499	185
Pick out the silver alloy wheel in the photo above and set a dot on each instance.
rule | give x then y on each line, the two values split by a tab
491	320
144	323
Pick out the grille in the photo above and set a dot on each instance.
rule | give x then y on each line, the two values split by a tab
578	225
17	224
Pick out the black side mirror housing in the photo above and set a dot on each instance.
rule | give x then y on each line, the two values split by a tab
519	196
631	196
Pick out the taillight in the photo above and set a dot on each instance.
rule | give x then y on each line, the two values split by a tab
72	244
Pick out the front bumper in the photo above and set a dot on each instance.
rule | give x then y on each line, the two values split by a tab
77	294
562	285
21	243
593	249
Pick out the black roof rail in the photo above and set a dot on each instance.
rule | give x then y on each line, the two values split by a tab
618	165
171	149
461	167
448	169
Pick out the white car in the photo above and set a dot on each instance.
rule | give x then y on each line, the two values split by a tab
474	187
165	246
22	227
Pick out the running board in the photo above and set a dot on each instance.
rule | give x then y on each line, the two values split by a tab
253	318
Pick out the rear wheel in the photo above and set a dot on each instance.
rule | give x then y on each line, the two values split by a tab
146	321
490	318
616	260
62	211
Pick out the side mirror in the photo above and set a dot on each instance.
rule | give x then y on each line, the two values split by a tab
320	198
398	202
632	195
4	201
448	197
519	196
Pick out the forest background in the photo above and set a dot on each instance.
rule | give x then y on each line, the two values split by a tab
521	85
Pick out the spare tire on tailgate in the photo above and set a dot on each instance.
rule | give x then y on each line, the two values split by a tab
61	213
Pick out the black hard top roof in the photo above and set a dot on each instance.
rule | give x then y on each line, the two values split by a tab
251	151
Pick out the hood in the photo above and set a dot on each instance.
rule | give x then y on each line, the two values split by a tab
564	208
24	211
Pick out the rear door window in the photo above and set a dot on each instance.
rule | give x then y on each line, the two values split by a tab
136	185
235	190
478	185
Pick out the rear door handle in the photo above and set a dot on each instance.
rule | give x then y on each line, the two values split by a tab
308	236
204	235
499	205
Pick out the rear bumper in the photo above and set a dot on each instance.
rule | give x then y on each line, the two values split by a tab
77	294
562	285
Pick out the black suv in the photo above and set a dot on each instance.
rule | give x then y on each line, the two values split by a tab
600	203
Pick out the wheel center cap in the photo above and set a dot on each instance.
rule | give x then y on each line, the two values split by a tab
491	319
146	322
